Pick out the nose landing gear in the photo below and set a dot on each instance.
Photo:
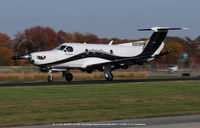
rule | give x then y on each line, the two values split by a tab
66	74
50	77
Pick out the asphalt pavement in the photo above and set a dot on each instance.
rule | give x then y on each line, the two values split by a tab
191	121
95	82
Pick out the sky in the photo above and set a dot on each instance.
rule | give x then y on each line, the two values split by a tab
104	18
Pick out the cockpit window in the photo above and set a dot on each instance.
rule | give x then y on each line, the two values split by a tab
69	49
61	47
65	48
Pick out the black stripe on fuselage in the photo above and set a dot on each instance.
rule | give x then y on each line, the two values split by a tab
86	55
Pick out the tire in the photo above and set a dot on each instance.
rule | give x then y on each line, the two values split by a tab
69	77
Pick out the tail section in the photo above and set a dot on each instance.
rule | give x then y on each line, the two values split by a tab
156	42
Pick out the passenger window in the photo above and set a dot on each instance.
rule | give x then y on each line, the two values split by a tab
111	51
69	49
86	50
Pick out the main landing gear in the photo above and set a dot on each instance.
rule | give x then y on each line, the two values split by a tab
108	74
68	76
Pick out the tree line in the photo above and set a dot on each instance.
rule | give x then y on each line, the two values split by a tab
45	38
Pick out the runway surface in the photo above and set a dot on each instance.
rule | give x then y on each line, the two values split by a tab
95	82
192	121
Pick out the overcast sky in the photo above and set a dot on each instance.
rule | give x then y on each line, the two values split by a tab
104	18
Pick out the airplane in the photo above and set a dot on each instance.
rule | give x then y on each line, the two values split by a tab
103	57
170	69
173	69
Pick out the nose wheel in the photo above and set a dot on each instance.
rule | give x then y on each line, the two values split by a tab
50	77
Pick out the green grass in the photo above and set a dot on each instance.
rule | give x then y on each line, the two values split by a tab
51	104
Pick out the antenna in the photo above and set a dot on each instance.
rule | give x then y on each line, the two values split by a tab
110	42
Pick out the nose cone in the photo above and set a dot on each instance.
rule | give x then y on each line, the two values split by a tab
38	58
27	57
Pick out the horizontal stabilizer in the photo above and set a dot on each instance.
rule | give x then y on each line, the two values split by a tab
161	29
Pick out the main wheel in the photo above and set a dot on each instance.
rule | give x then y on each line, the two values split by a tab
69	77
50	79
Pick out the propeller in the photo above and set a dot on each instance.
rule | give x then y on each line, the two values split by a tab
26	57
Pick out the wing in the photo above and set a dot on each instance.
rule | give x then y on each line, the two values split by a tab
123	63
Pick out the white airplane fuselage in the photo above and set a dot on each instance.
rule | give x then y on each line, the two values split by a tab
56	55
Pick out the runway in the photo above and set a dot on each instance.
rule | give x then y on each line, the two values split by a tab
192	121
95	82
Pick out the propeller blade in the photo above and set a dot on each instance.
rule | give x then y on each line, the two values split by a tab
21	57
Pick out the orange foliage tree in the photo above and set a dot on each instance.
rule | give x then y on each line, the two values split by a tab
174	57
42	38
5	40
6	54
63	37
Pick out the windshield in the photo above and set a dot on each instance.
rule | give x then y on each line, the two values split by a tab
61	47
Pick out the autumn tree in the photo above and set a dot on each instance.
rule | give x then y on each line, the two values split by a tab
198	41
104	41
193	50
5	40
78	37
176	52
37	39
63	37
91	38
6	54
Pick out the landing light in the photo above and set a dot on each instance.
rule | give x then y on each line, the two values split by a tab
41	57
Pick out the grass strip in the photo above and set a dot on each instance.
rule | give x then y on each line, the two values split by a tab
53	104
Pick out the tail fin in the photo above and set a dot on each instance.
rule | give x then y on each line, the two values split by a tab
156	42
